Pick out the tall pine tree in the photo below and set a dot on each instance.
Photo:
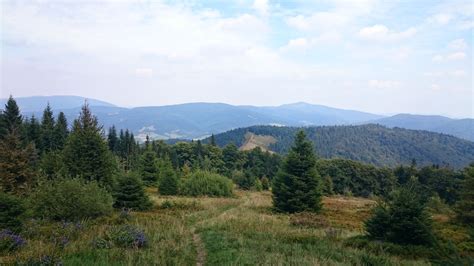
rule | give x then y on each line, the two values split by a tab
296	187
47	130
60	132
149	167
86	154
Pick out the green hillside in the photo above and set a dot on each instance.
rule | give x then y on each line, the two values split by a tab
373	144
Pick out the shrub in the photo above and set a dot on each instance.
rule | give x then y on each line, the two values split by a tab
265	183
168	181
403	220
70	199
129	193
258	185
125	236
11	210
245	180
9	241
204	183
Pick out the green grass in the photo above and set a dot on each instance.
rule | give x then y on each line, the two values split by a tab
218	231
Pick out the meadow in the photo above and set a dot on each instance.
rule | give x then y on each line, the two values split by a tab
242	230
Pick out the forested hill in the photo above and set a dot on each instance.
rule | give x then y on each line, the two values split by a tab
373	144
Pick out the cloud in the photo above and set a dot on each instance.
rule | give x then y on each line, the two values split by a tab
435	87
451	56
261	6
143	72
318	21
383	84
382	33
440	18
458	44
296	44
302	44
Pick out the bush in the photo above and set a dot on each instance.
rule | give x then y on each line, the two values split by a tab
129	193
70	199
245	180
265	183
125	236
204	183
168	184
11	210
10	241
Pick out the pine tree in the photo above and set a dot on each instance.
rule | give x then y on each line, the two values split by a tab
86	154
213	140
230	156
33	131
11	119
296	187
112	140
47	130
149	167
16	160
402	219
265	183
60	132
465	205
168	184
129	193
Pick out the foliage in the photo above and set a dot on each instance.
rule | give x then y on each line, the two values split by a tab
373	144
70	199
51	165
403	219
129	193
168	184
149	167
204	183
465	206
11	211
297	187
265	183
245	180
86	154
10	241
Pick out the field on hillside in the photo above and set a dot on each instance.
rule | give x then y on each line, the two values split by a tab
213	231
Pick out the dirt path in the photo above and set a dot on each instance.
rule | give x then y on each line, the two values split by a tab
201	250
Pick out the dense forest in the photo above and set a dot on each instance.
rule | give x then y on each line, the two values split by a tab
53	173
373	144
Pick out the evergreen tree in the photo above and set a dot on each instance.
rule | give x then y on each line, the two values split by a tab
47	130
296	187
230	156
148	167
328	187
86	154
168	181
16	160
33	131
60	132
265	183
113	140
465	205
11	119
129	193
51	165
402	219
213	140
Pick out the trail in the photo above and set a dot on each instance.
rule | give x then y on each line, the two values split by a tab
201	250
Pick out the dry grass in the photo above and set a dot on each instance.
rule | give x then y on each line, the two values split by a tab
253	141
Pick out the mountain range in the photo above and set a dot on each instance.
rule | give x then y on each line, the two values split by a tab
199	120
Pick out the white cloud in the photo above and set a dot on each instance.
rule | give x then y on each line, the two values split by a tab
261	6
458	73
143	72
296	44
382	33
318	21
435	87
456	56
458	44
383	84
440	18
437	58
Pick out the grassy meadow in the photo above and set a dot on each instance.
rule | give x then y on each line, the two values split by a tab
242	230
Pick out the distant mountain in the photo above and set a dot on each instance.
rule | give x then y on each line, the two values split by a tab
371	143
462	128
199	120
38	103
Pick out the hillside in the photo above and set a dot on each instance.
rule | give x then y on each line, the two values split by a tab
37	103
462	128
373	144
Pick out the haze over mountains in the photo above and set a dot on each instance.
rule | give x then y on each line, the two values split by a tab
198	120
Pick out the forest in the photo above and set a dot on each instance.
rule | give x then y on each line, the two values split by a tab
74	193
372	144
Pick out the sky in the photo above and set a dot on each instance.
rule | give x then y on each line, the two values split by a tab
379	56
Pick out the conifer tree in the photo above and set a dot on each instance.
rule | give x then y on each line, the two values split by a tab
148	167
60	132
296	187
47	130
168	181
213	140
465	205
33	131
129	193
11	119
402	219
86	154
265	183
112	140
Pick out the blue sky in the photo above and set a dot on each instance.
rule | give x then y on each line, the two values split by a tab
372	55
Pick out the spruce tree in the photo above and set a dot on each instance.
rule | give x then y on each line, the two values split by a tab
213	140
112	140
465	205
296	187
16	160
60	132
149	167
168	184
47	130
402	219
129	193
86	154
33	131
